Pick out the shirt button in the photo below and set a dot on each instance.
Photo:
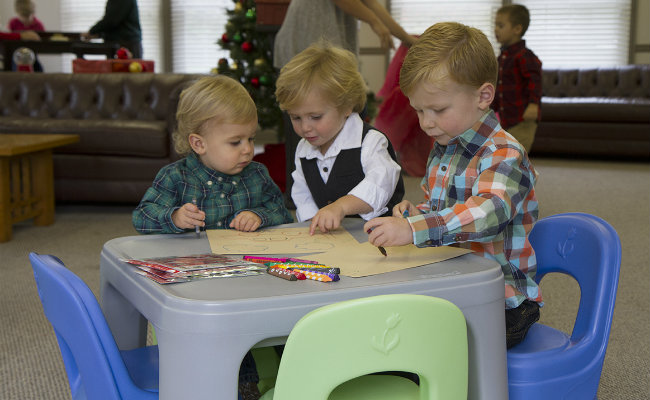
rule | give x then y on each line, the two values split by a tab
209	183
222	195
219	223
325	169
434	208
444	168
220	179
234	182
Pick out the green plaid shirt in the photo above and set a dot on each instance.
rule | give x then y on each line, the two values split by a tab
221	196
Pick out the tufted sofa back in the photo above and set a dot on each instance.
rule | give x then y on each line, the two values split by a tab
116	96
629	81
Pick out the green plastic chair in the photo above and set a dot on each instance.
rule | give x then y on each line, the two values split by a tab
332	350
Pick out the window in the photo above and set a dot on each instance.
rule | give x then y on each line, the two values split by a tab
416	16
81	15
196	27
563	33
579	33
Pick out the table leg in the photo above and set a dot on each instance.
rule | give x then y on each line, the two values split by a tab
128	326
43	178
186	358
5	206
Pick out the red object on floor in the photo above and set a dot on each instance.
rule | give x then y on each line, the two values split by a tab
274	159
79	65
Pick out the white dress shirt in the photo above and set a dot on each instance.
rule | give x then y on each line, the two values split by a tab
381	171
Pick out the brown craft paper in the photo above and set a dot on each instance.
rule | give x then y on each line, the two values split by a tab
335	249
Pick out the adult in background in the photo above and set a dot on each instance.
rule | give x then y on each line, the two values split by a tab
336	21
121	25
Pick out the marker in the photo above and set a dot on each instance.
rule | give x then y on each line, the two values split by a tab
405	214
381	249
197	228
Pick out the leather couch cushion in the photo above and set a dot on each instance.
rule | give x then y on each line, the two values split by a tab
596	109
100	136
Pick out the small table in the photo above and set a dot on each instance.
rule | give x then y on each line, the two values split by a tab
205	327
27	179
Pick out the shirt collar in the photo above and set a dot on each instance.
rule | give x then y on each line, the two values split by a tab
206	174
514	48
348	138
475	137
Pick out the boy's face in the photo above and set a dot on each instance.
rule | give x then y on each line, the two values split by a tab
447	109
505	32
317	120
227	148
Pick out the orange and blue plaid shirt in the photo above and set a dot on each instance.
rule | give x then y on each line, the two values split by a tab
479	192
519	83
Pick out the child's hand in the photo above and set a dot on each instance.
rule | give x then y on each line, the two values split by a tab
405	205
188	216
246	221
327	218
389	231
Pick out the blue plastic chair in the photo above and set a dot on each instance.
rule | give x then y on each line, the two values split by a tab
549	364
96	369
333	352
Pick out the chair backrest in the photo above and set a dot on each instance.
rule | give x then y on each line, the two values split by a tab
92	360
411	333
588	249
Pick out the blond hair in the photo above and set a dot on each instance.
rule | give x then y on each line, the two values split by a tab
331	70
24	8
449	50
216	99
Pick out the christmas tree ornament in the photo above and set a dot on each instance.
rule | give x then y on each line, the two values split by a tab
223	62
250	14
259	62
247	47
255	82
239	7
225	38
135	67
237	38
265	80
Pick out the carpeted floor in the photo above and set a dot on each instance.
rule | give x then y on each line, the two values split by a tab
30	364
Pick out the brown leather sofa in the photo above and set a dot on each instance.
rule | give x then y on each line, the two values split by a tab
124	122
596	113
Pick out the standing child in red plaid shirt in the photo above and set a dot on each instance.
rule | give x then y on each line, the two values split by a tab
519	87
479	184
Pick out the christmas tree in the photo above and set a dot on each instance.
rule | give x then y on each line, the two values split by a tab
251	61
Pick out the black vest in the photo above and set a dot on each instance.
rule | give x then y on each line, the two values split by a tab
346	173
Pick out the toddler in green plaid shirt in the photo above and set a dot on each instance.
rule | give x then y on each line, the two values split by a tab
479	184
217	123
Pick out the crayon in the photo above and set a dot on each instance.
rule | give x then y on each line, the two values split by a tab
299	275
263	260
197	228
281	273
298	260
335	271
381	249
321	277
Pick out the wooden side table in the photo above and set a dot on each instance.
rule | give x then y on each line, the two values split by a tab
27	179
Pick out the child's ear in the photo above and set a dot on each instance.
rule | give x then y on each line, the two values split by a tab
486	95
197	143
518	29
